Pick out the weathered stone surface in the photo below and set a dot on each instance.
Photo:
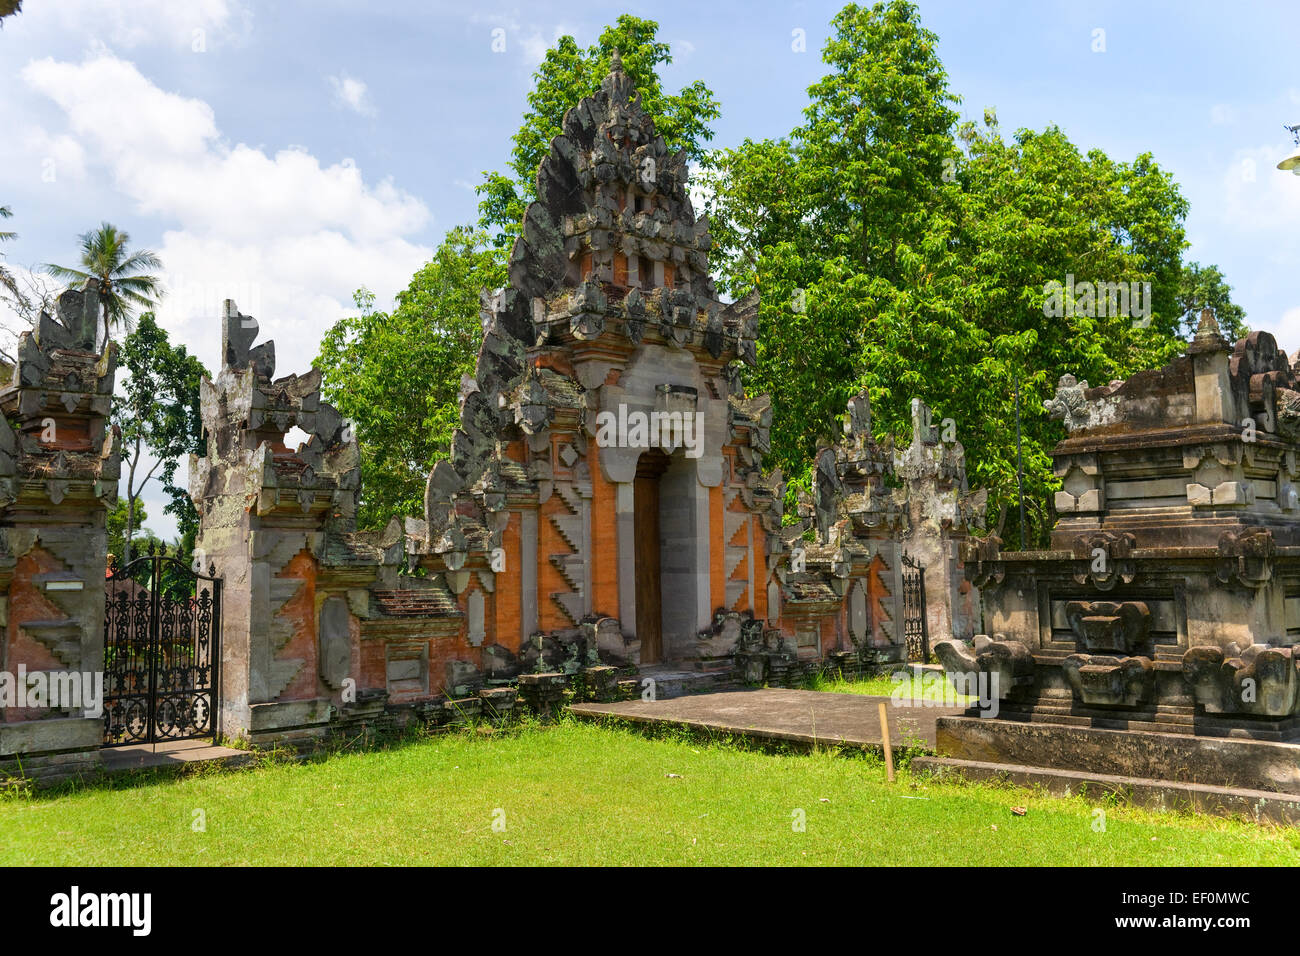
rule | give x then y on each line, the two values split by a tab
1109	681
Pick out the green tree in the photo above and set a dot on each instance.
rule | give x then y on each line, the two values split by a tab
7	280
1204	286
125	284
899	250
566	75
397	374
116	520
158	413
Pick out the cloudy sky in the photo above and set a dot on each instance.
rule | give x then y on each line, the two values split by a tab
285	153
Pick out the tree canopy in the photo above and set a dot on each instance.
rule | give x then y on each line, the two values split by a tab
158	411
566	75
899	250
126	279
397	374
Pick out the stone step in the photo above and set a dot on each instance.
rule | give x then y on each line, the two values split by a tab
1141	749
1257	805
677	681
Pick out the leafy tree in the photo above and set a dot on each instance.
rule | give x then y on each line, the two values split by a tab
116	520
1203	286
901	251
8	8
158	414
7	280
397	374
566	75
125	285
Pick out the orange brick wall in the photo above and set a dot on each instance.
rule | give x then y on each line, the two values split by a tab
300	612
28	603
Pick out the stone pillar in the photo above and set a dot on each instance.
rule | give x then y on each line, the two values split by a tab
266	512
58	473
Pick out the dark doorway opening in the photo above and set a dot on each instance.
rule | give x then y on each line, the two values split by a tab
649	596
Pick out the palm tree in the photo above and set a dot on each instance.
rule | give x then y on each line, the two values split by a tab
124	285
6	277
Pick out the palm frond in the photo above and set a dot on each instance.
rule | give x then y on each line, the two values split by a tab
138	261
65	273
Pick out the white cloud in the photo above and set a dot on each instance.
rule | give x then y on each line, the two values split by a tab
58	158
1287	328
505	34
351	93
192	25
286	236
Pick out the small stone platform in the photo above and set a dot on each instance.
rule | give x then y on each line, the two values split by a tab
800	717
170	754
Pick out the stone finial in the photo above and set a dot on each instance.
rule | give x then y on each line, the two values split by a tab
1208	336
858	423
616	62
237	334
922	430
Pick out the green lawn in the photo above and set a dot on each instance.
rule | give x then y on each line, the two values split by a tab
583	794
933	687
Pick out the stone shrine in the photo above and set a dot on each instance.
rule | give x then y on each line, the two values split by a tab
1162	624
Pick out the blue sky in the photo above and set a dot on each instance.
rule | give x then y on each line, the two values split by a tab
283	154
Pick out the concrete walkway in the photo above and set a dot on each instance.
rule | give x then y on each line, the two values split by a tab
801	717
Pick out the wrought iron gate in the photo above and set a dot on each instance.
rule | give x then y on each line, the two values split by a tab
162	621
915	628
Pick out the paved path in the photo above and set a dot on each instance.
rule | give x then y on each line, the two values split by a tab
793	716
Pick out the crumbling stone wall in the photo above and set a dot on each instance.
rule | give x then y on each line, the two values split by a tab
59	465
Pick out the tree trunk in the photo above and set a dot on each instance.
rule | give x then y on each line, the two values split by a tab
130	505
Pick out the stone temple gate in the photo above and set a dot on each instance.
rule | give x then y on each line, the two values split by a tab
604	504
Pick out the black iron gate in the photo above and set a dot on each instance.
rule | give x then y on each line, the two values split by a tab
915	628
162	620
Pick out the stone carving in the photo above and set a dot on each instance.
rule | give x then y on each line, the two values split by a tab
1108	681
1246	557
1010	661
1069	404
1104	559
983	560
1260	680
1100	626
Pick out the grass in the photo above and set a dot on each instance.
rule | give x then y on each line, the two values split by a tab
578	793
910	685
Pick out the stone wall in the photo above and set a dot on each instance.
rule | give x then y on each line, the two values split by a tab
59	463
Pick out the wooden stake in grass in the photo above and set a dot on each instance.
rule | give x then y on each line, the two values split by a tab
884	736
